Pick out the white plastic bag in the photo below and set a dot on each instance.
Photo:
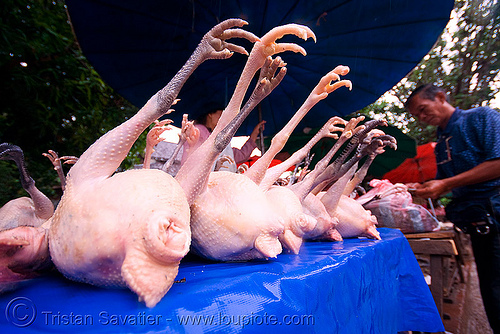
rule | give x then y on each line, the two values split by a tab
393	207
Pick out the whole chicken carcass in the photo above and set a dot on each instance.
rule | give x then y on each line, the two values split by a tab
285	201
23	211
231	217
309	220
24	250
353	219
130	229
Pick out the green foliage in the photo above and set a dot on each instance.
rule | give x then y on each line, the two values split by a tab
464	61
51	97
9	178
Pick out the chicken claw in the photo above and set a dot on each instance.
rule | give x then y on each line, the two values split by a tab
269	39
329	128
156	131
220	163
189	132
325	85
267	78
153	138
214	43
242	169
351	129
263	48
385	140
56	162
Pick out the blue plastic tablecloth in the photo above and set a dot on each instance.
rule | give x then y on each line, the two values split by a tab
354	286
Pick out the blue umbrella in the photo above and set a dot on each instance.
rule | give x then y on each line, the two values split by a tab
137	46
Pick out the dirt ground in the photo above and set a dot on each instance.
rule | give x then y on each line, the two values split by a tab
464	311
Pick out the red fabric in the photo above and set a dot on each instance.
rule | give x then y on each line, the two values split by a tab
420	168
274	162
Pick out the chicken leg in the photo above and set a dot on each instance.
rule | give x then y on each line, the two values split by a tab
24	211
131	229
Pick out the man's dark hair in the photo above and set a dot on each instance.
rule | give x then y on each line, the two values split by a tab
427	91
209	108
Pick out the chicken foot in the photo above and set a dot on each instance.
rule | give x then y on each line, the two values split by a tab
189	133
42	205
146	231
153	138
327	131
325	86
56	162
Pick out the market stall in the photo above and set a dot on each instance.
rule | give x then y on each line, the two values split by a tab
354	286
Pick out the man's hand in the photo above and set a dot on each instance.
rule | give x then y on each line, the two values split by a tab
430	189
256	131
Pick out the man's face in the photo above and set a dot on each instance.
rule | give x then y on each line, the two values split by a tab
213	119
432	112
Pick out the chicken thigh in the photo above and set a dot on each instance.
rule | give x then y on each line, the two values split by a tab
131	229
23	211
231	217
24	250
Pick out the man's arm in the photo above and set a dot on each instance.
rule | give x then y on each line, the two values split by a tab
485	171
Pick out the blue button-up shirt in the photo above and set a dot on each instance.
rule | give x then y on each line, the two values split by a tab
470	138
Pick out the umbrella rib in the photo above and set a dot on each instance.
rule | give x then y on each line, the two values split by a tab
290	10
335	7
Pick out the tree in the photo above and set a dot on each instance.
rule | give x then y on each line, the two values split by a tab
464	61
51	96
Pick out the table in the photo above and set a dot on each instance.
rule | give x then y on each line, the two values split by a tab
440	246
354	286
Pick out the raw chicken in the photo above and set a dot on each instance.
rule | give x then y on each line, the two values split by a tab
231	217
131	229
353	219
24	250
153	138
310	206
23	211
57	163
286	201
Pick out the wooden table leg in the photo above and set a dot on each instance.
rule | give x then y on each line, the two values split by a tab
436	267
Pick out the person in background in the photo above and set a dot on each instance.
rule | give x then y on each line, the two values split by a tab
206	123
468	166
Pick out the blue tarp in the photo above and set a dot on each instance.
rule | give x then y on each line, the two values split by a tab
354	286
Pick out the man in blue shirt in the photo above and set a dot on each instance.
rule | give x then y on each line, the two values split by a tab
468	162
